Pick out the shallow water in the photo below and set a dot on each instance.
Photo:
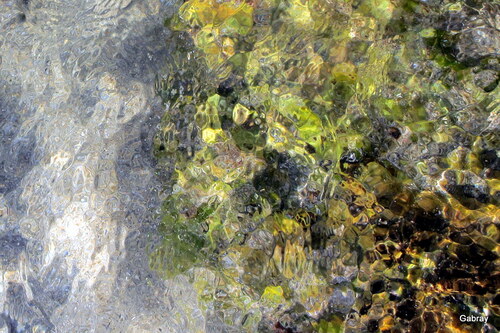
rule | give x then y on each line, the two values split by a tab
78	191
312	166
336	163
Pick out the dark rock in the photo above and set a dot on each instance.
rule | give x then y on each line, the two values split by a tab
372	325
394	132
352	157
429	221
280	178
230	86
283	327
486	80
351	160
431	324
416	325
489	159
355	210
449	267
469	189
310	149
474	255
406	310
377	286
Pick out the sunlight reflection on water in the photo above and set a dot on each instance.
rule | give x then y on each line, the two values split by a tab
77	184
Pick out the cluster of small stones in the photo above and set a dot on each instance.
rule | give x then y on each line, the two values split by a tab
335	163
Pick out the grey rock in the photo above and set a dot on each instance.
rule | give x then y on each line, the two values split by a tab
486	80
341	301
11	246
476	44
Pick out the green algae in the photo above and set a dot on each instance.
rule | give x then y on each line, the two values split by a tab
335	165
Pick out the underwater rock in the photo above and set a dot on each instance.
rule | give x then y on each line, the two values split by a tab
406	310
471	33
339	146
279	180
469	189
477	43
486	80
11	246
341	301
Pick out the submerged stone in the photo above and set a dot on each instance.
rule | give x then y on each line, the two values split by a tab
342	163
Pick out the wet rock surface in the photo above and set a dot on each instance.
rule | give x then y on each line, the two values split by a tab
78	190
308	166
342	167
